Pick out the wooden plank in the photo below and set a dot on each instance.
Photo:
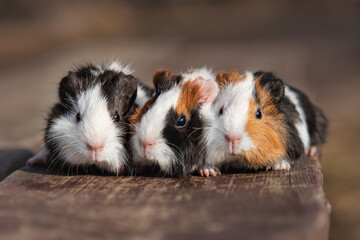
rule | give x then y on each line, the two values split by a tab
35	204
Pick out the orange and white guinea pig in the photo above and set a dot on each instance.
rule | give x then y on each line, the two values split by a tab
260	122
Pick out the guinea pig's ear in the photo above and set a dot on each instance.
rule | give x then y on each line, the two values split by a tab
126	89
223	78
273	84
68	87
209	89
164	80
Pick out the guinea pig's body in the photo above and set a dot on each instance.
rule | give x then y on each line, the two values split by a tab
168	129
90	123
260	122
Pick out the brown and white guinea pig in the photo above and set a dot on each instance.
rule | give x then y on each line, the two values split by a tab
168	129
90	123
262	122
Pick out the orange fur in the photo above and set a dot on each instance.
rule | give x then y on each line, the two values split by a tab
139	112
162	77
224	78
268	134
189	98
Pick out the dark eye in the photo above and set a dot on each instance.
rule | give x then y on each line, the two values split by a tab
221	111
258	114
78	117
116	117
181	122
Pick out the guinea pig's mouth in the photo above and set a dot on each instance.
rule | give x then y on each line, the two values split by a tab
147	155
96	157
98	160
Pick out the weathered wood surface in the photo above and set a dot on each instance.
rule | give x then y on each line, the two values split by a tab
35	204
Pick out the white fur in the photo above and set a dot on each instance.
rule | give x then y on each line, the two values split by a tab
97	71
203	72
281	165
151	126
234	98
118	67
95	128
153	122
206	110
300	125
115	66
141	97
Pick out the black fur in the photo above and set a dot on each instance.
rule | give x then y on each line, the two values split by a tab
275	85
119	90
164	80
185	141
294	144
268	81
315	119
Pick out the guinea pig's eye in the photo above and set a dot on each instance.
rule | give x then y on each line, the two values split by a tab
258	114
221	111
181	122
116	117
78	117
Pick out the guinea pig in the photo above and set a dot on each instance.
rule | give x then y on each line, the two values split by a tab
261	122
89	125
168	129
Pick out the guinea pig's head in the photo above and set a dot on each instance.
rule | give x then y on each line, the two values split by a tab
168	128
89	125
246	119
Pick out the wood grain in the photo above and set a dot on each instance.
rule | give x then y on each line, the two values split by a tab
36	204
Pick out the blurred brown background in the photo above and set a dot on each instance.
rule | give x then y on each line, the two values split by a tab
313	45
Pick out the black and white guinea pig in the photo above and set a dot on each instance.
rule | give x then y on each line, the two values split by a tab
90	123
167	131
262	122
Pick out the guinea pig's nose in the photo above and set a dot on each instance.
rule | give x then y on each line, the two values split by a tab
95	148
232	139
148	144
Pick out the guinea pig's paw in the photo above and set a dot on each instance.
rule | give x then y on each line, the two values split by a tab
38	159
314	153
281	165
209	171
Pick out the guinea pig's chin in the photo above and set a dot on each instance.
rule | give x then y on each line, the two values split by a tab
112	161
149	156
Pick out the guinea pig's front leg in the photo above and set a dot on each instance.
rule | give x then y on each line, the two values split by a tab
209	170
314	152
39	158
280	165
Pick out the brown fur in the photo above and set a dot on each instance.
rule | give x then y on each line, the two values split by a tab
162	79
161	74
139	112
268	133
189	98
224	78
